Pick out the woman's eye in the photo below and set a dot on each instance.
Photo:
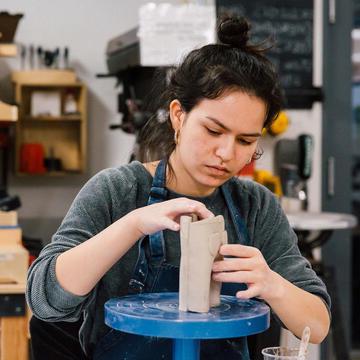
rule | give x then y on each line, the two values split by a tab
212	132
244	142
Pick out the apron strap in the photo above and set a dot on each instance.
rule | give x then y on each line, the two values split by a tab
158	192
154	242
240	227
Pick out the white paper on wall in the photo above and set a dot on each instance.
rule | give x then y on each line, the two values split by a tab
168	32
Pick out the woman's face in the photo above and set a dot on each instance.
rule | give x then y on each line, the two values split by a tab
215	139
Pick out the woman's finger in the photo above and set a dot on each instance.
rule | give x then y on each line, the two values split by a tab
202	211
251	292
238	250
234	264
246	277
170	224
186	206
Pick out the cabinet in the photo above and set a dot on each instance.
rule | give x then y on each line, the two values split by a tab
53	118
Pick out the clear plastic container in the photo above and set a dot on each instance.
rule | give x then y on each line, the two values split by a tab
281	353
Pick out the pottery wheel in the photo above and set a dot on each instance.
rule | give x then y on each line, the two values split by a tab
157	314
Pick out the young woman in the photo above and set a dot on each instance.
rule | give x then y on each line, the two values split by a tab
218	101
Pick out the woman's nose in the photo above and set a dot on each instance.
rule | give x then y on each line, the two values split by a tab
226	150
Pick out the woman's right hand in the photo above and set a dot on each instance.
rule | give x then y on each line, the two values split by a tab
166	215
93	255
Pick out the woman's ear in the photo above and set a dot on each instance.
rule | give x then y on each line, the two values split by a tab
177	114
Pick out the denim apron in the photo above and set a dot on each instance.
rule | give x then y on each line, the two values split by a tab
153	274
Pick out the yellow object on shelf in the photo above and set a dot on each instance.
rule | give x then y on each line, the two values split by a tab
279	126
266	178
8	112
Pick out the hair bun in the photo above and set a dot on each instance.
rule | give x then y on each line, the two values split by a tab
234	31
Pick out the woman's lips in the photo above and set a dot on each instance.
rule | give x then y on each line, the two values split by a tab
218	170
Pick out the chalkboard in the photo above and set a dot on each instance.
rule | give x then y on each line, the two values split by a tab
290	24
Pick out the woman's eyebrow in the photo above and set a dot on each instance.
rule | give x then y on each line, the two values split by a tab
219	123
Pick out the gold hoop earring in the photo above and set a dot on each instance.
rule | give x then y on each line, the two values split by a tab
249	161
176	137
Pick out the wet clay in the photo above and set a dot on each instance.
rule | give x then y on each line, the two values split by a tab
200	243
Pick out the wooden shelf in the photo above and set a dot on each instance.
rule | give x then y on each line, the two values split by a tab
45	77
62	137
45	85
65	118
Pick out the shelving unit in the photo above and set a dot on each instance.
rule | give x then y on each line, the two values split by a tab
14	334
62	136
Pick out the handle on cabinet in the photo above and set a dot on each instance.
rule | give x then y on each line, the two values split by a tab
331	176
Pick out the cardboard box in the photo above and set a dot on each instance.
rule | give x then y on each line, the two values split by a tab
10	236
14	263
8	218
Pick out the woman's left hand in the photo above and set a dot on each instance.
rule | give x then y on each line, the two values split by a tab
247	265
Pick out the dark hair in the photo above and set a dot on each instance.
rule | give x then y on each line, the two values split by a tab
208	72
